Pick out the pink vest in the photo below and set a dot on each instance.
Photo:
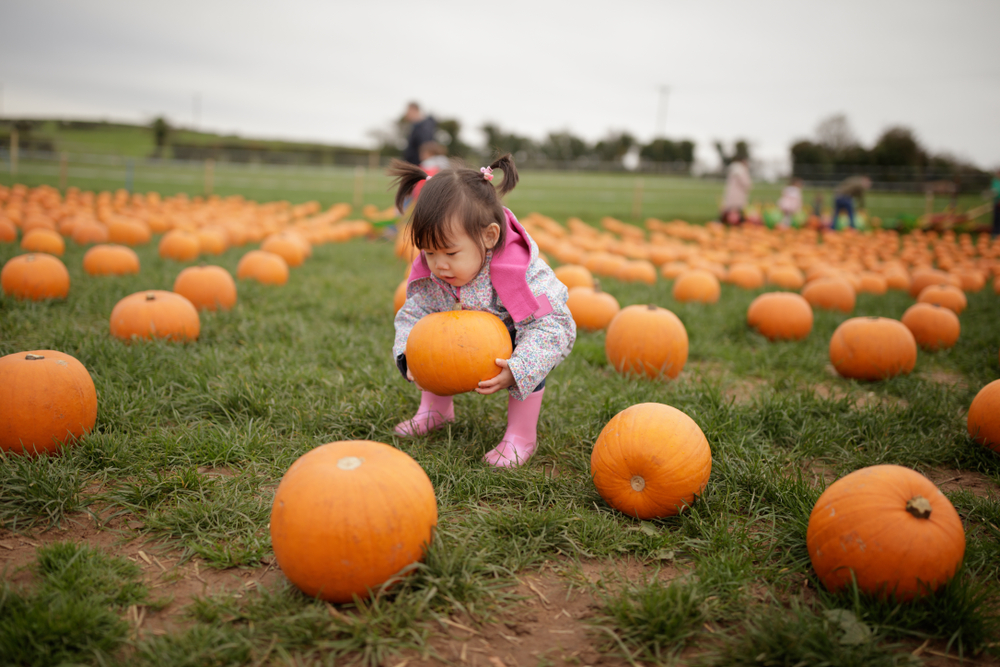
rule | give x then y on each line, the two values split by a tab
508	273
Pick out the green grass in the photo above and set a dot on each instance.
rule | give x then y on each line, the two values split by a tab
191	441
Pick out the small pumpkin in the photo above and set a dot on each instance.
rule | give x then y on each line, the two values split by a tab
212	240
129	231
44	240
830	294
697	285
781	316
85	232
110	260
35	276
8	230
788	277
922	278
207	287
637	271
873	283
46	398
745	275
948	296
890	529
934	327
179	245
350	515
591	308
264	267
399	296
872	348
651	460
983	421
155	314
451	352
647	340
290	250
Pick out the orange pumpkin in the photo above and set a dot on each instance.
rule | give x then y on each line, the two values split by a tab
872	348
984	416
155	314
747	276
934	327
264	267
591	308
890	529
179	245
781	316
647	340
637	271
8	230
114	260
36	277
213	241
873	283
671	270
697	285
89	232
924	277
399	297
788	277
451	352
128	231
46	397
573	275
948	296
650	460
350	515
830	294
44	240
288	249
207	287
897	278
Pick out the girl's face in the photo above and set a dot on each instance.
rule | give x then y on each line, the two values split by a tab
460	262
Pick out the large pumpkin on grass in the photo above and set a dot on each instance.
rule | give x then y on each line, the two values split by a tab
453	351
890	529
35	276
207	287
155	314
984	416
781	316
872	348
350	515
46	397
650	460
647	340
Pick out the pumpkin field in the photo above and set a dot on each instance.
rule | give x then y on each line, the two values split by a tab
147	540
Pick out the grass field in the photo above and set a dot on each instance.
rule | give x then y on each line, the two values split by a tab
147	543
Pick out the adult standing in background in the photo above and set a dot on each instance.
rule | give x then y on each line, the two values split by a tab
843	197
737	192
422	129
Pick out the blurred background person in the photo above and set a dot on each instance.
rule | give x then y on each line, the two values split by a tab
737	193
843	197
422	129
790	202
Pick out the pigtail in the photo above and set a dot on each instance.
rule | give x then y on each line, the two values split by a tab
505	163
407	176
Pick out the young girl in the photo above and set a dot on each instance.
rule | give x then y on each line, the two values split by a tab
475	255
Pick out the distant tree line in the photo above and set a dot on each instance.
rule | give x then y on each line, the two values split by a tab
896	156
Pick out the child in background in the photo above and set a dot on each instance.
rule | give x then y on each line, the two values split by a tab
475	255
790	202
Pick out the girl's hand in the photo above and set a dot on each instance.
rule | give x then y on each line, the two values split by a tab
409	376
502	381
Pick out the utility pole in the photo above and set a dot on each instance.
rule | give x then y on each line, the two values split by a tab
661	112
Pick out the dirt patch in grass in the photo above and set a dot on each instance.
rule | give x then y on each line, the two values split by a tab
976	483
859	399
553	623
950	378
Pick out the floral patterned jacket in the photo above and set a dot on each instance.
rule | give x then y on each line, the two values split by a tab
540	343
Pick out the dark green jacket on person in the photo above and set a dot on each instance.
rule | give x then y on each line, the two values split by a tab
855	186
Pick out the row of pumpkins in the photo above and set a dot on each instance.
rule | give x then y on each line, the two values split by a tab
649	461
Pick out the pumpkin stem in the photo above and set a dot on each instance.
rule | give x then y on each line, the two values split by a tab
919	507
150	297
350	463
33	357
651	307
638	483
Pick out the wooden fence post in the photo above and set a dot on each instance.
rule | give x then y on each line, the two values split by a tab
63	169
637	200
209	176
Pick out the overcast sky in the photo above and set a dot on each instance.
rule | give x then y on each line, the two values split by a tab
766	71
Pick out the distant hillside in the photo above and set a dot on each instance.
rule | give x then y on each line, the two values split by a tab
86	136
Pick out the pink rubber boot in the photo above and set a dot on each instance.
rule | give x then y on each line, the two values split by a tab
434	412
521	438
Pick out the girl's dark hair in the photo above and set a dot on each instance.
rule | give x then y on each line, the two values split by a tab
459	195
